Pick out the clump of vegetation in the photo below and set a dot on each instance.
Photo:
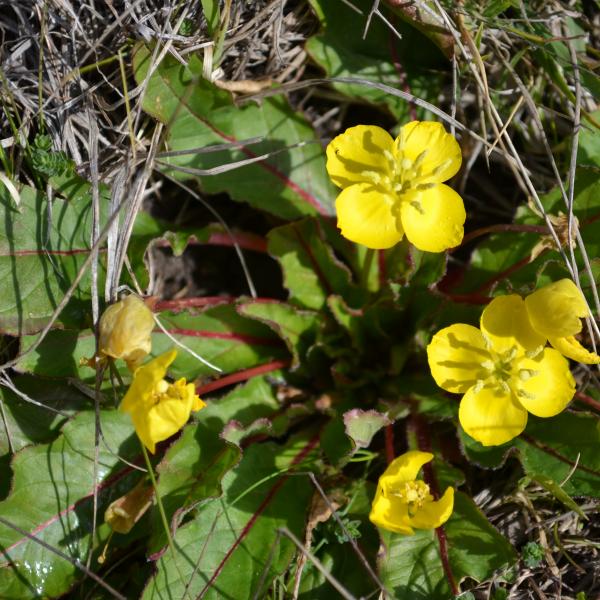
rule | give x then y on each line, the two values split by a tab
301	299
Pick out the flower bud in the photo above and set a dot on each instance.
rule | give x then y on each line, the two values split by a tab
125	330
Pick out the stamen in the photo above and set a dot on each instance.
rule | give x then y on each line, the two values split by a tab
417	206
526	394
526	374
441	167
426	186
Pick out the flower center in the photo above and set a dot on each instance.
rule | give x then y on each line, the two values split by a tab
502	373
413	493
164	390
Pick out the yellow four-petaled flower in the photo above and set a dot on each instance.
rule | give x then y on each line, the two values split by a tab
395	187
403	503
158	408
502	370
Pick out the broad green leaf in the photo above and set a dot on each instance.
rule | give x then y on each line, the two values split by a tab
412	567
192	469
381	57
25	423
564	445
296	327
42	247
51	497
232	549
562	449
290	183
311	271
218	334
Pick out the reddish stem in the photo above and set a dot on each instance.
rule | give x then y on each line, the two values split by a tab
241	376
588	400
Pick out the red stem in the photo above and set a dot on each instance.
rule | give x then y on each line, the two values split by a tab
241	376
587	400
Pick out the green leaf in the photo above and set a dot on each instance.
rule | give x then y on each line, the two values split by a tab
192	469
290	183
412	567
51	498
25	423
218	334
381	57
232	548
210	8
42	247
311	272
562	449
561	446
296	327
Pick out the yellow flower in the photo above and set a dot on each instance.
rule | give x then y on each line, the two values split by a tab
391	188
402	503
555	312
158	408
125	329
502	370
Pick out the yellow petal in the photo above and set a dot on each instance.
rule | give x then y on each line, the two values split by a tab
571	348
442	157
359	150
389	512
145	379
556	309
365	216
455	355
433	218
544	383
167	418
491	417
404	468
434	514
504	321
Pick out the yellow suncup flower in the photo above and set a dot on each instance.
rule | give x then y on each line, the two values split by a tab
404	503
158	408
503	371
395	187
125	330
555	312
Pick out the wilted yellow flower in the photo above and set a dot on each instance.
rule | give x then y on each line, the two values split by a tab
500	377
125	330
391	188
124	512
158	408
403	503
555	312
